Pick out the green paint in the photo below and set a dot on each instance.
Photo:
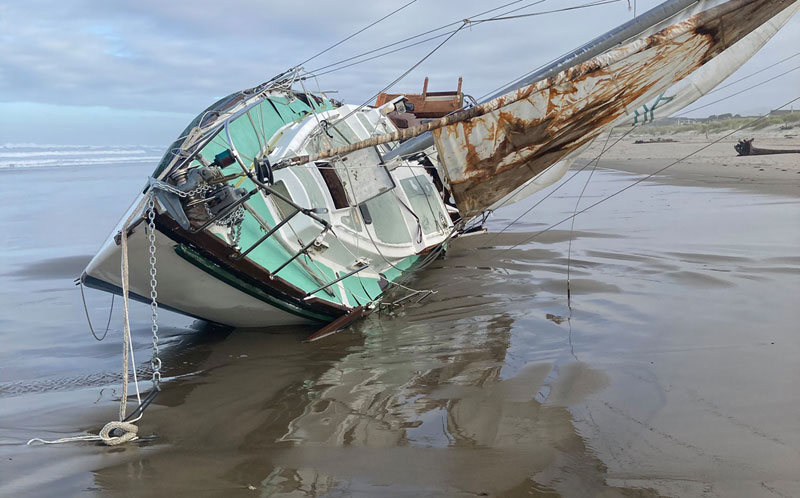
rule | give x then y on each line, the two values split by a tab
649	112
251	132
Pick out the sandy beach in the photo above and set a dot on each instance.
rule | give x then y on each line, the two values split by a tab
716	165
673	373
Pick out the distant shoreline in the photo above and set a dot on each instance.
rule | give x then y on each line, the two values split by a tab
789	123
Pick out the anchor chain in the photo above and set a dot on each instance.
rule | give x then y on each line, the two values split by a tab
233	220
234	223
124	430
200	190
155	362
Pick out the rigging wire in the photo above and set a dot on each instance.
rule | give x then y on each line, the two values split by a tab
524	75
315	74
89	320
645	178
461	21
533	14
738	93
466	22
472	22
356	33
634	8
455	23
572	226
752	74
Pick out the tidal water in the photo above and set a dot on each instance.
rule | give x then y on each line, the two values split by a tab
674	371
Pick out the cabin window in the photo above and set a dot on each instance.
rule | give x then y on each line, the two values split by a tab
377	128
333	135
424	203
387	219
334	184
342	133
384	129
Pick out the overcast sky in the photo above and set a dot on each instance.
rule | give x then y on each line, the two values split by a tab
136	71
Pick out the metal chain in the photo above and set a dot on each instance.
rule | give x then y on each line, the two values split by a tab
155	362
201	189
234	222
236	231
232	218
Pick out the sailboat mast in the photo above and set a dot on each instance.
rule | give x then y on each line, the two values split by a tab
581	54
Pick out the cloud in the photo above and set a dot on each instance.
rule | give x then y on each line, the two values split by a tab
180	55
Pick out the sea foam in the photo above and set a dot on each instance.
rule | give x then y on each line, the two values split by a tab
30	155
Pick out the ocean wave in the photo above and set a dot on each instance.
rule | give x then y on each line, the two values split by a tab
31	145
59	153
76	161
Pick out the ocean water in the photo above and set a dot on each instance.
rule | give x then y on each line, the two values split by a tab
30	155
672	372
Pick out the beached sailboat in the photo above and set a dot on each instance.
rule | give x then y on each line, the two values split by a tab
277	205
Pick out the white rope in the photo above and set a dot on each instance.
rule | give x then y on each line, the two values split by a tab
129	429
126	324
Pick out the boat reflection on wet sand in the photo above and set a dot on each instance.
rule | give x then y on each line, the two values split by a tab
406	412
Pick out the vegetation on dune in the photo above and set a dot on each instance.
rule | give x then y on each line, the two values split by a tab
717	126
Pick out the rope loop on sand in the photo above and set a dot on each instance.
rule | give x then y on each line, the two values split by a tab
129	433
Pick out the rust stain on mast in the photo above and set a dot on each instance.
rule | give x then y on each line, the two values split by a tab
491	149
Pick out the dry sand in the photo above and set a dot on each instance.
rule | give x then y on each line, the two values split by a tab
716	165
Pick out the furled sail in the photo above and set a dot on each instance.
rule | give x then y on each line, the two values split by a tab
674	99
502	144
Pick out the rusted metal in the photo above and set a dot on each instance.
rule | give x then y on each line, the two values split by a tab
491	149
745	148
489	156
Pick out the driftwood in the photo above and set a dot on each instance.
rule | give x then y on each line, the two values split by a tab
657	141
745	148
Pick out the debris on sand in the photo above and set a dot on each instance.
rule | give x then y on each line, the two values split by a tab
745	148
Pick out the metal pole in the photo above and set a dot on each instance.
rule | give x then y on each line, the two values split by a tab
298	253
309	294
265	236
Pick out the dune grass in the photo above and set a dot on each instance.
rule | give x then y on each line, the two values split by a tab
723	125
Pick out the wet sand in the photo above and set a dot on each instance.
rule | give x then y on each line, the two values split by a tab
673	373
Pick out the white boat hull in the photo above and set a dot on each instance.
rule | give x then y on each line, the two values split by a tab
182	286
